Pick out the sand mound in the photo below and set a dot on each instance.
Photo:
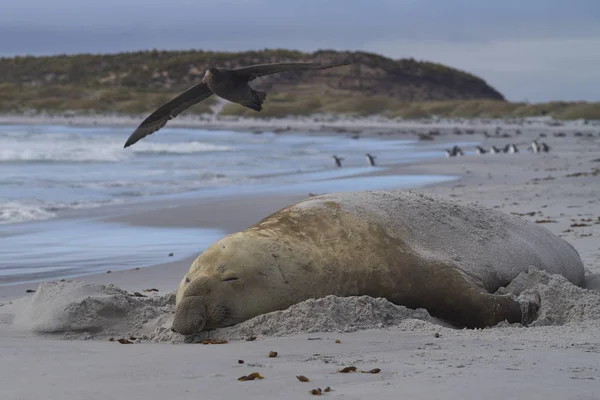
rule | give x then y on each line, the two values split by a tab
76	307
82	310
327	314
561	302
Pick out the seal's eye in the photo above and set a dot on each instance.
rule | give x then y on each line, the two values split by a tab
187	280
233	278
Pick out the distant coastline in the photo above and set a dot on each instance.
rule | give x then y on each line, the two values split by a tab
135	83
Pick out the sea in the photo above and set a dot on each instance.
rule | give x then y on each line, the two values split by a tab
49	172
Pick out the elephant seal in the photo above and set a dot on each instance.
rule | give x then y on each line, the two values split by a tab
412	249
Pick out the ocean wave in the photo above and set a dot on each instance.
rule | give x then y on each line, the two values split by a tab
76	148
56	153
57	147
13	211
186	181
178	148
32	135
121	191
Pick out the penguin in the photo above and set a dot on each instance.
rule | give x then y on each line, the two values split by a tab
535	147
545	148
480	150
458	151
371	159
495	150
338	160
455	151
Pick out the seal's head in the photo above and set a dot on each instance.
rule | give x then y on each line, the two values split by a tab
230	282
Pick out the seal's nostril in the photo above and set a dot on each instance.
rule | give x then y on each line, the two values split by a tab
173	330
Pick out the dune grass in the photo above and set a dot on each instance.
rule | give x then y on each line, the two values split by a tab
288	104
58	99
121	100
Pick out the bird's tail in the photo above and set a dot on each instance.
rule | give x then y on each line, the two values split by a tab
259	98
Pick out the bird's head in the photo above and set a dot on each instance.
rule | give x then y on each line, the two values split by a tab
212	71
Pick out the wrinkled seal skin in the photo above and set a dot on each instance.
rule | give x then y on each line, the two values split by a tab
412	249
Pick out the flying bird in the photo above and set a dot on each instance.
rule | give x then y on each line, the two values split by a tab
230	84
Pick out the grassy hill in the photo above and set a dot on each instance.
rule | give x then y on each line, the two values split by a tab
137	82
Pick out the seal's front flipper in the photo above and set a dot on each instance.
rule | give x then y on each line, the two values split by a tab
485	309
530	302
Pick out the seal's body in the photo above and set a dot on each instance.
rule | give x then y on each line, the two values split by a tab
412	249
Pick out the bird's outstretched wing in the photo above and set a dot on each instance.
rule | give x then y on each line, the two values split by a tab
169	110
254	71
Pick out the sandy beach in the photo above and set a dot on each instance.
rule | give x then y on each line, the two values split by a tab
418	358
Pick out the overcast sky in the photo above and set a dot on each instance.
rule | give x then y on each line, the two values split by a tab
537	50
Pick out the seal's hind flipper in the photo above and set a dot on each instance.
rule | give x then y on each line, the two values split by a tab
450	295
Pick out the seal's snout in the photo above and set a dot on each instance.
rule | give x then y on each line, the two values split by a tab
190	316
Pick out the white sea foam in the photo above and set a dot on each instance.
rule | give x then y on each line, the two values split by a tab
178	148
49	153
14	211
69	147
